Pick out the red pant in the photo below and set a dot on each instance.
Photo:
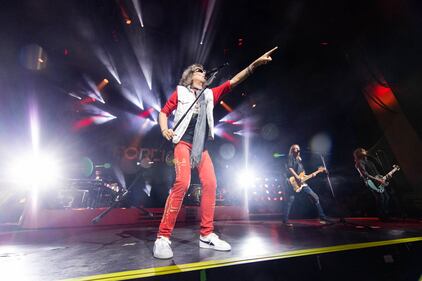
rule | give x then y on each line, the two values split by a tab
183	174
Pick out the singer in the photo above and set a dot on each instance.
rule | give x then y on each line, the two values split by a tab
190	140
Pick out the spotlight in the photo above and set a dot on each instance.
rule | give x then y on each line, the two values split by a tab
128	21
102	84
246	178
35	170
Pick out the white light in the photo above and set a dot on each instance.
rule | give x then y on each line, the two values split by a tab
34	171
105	117
134	97
93	91
75	96
246	178
108	62
138	11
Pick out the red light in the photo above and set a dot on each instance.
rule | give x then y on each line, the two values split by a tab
83	123
146	113
87	100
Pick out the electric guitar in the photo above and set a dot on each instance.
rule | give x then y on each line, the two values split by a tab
380	188
298	185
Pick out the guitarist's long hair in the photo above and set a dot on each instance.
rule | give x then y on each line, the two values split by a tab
291	151
358	154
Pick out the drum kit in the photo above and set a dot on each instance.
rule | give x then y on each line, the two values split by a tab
96	192
82	193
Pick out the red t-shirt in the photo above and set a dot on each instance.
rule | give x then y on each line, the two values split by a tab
171	104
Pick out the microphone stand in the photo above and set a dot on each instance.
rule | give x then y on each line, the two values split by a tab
342	219
122	197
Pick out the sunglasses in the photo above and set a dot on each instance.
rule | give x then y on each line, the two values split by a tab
199	70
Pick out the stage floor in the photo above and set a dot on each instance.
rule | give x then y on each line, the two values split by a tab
122	253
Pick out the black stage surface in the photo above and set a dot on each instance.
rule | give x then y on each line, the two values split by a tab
125	252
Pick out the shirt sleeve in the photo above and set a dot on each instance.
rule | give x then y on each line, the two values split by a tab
221	90
170	105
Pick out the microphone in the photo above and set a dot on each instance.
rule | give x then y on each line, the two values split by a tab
214	70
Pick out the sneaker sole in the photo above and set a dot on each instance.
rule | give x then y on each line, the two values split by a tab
208	246
162	257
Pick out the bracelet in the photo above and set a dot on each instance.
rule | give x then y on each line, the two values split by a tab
163	130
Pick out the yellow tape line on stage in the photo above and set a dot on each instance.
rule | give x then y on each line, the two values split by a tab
148	272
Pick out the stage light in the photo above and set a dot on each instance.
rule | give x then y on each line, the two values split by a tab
94	90
124	14
102	85
277	155
35	171
103	118
246	178
209	12
33	57
75	96
226	106
244	133
134	97
107	61
138	11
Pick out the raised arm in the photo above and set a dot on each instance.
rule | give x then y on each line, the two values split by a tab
245	73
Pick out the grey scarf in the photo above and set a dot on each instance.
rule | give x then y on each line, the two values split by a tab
199	135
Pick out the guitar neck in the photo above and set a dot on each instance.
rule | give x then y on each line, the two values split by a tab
389	174
311	175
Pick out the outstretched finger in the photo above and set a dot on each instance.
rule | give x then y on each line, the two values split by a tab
271	51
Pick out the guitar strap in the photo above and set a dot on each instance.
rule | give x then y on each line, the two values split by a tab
360	172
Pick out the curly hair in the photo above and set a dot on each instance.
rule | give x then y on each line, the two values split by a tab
186	79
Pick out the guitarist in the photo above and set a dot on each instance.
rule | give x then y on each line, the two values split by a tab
294	168
368	171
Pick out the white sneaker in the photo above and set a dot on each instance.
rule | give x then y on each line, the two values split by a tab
162	249
211	241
